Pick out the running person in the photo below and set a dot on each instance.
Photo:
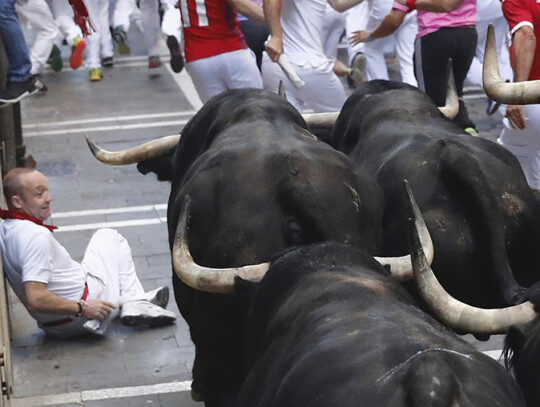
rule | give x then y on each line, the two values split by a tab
217	55
296	31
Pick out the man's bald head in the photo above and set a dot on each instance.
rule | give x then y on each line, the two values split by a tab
13	184
27	190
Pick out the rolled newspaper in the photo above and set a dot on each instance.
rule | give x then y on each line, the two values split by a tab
291	74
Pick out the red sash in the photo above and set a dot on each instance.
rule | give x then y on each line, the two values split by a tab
23	216
81	16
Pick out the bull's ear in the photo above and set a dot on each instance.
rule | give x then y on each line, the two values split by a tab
161	166
513	344
533	295
244	288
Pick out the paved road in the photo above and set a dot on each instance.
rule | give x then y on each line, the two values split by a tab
132	104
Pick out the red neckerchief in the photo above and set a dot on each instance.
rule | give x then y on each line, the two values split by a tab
23	216
81	16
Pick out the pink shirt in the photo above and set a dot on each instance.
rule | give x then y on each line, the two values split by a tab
464	15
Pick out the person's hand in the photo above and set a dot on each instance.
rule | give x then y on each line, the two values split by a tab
515	116
97	309
358	37
404	2
274	47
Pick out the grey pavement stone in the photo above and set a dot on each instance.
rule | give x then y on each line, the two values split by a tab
178	400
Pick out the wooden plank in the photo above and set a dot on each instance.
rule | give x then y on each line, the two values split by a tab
5	328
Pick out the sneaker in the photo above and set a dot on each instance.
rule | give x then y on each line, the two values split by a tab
177	61
142	312
15	91
120	37
43	88
95	74
55	59
159	296
472	131
154	61
358	66
107	62
77	52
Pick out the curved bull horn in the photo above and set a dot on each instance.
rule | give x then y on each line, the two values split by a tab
401	267
518	93
321	119
455	314
212	280
451	107
147	151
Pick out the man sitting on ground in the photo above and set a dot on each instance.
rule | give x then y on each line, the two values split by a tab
67	298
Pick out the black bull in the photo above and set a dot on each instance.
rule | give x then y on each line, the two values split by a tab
328	326
483	217
259	182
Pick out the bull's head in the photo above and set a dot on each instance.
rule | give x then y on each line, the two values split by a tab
519	93
221	281
455	314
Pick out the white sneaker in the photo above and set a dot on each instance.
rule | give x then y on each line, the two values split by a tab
159	296
142	312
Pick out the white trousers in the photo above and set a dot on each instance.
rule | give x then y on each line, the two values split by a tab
39	15
110	276
63	16
230	70
171	23
356	19
121	11
149	19
525	144
99	42
402	40
333	27
151	25
323	91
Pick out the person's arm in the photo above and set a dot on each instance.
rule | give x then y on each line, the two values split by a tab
249	9
387	27
524	45
437	6
343	5
272	12
40	299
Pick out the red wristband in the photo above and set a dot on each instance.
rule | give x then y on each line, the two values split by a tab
411	4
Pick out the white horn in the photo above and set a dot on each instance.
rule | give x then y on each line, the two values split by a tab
147	151
451	107
321	119
401	267
518	93
211	280
455	314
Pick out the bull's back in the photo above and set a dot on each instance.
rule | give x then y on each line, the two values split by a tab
469	190
351	339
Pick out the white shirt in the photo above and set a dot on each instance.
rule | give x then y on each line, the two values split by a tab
31	253
302	22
